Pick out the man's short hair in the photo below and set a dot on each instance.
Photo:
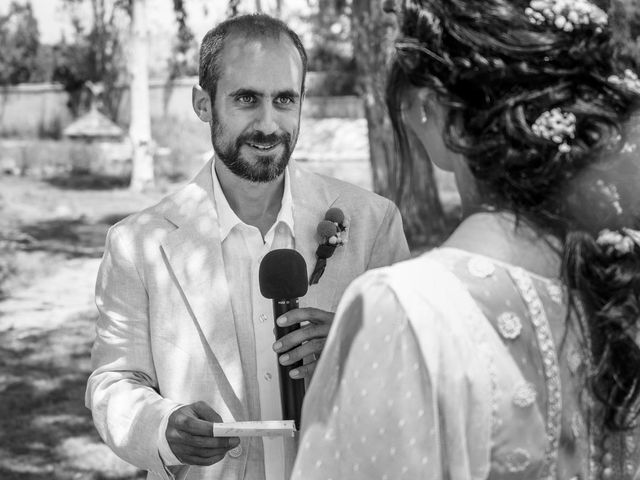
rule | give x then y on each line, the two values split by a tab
252	26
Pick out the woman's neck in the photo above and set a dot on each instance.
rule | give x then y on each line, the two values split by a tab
496	235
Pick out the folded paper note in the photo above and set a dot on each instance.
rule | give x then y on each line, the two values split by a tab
271	428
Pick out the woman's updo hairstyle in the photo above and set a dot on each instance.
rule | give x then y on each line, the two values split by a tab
536	93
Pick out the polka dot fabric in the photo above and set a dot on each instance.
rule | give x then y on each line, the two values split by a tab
454	366
375	427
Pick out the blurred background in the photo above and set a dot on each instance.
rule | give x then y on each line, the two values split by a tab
96	123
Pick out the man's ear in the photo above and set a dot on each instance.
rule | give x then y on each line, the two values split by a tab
201	102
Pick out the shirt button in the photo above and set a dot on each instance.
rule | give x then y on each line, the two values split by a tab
236	452
262	318
268	376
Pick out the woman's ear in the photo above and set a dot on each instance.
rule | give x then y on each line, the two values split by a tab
424	115
201	102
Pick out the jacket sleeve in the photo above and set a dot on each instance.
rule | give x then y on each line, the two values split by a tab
122	391
390	244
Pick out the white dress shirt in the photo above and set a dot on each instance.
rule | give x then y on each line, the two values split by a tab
243	249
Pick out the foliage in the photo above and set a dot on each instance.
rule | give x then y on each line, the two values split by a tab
184	52
95	54
7	264
625	16
331	51
232	8
20	40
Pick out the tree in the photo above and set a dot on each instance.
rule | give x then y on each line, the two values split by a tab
372	32
95	54
184	52
20	40
142	175
232	8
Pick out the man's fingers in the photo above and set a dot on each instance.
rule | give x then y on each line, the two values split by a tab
192	425
305	371
307	314
205	412
196	460
202	453
303	334
304	350
178	437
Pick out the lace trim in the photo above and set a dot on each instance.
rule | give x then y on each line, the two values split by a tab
550	364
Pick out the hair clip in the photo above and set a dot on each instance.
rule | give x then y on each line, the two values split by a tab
566	15
610	192
557	126
629	81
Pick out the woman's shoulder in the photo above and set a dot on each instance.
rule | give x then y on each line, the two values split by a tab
423	289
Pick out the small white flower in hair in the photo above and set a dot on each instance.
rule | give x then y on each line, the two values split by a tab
557	126
630	80
611	193
633	234
622	244
566	15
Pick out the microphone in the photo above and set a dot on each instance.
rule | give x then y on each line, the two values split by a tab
283	278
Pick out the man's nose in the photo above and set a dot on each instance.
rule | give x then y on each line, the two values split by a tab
266	119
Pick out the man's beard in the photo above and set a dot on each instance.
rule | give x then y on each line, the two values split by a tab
267	167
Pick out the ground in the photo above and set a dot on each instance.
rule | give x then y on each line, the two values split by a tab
46	329
47	314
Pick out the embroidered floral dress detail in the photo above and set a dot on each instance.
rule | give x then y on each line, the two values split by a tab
509	325
550	363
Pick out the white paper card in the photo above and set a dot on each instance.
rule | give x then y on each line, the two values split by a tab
271	428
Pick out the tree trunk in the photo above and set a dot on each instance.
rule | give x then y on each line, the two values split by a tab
424	221
140	128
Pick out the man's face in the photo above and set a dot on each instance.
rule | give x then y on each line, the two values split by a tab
256	110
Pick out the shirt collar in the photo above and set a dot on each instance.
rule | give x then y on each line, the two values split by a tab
228	219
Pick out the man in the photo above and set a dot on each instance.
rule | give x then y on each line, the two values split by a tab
184	338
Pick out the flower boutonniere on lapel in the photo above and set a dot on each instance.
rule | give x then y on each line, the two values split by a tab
330	231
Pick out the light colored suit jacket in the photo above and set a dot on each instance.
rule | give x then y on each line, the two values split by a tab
165	333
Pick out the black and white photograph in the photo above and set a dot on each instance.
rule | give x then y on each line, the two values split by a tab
320	239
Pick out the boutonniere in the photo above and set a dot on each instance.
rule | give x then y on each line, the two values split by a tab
330	231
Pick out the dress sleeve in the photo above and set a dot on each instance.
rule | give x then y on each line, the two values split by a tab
370	411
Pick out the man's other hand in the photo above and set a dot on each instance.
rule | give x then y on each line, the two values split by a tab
307	341
190	435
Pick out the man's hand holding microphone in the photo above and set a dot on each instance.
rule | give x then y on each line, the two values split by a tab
283	278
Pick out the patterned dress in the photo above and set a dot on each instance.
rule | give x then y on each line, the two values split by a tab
455	366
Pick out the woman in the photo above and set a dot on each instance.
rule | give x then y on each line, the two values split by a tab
511	352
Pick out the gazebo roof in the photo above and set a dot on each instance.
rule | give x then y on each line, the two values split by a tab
93	125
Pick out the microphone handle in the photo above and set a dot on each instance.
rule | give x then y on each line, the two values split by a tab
291	391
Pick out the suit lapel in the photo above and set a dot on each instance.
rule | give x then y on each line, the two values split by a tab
194	255
311	200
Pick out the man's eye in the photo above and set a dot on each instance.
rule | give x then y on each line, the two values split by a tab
246	99
284	100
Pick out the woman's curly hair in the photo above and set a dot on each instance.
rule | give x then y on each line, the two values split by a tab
496	72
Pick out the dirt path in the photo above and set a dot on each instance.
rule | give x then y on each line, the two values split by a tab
48	302
46	331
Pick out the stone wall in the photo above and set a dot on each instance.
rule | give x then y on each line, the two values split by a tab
28	110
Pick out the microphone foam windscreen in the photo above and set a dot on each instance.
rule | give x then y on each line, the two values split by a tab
283	275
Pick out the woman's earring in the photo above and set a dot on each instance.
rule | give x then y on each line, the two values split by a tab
423	117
